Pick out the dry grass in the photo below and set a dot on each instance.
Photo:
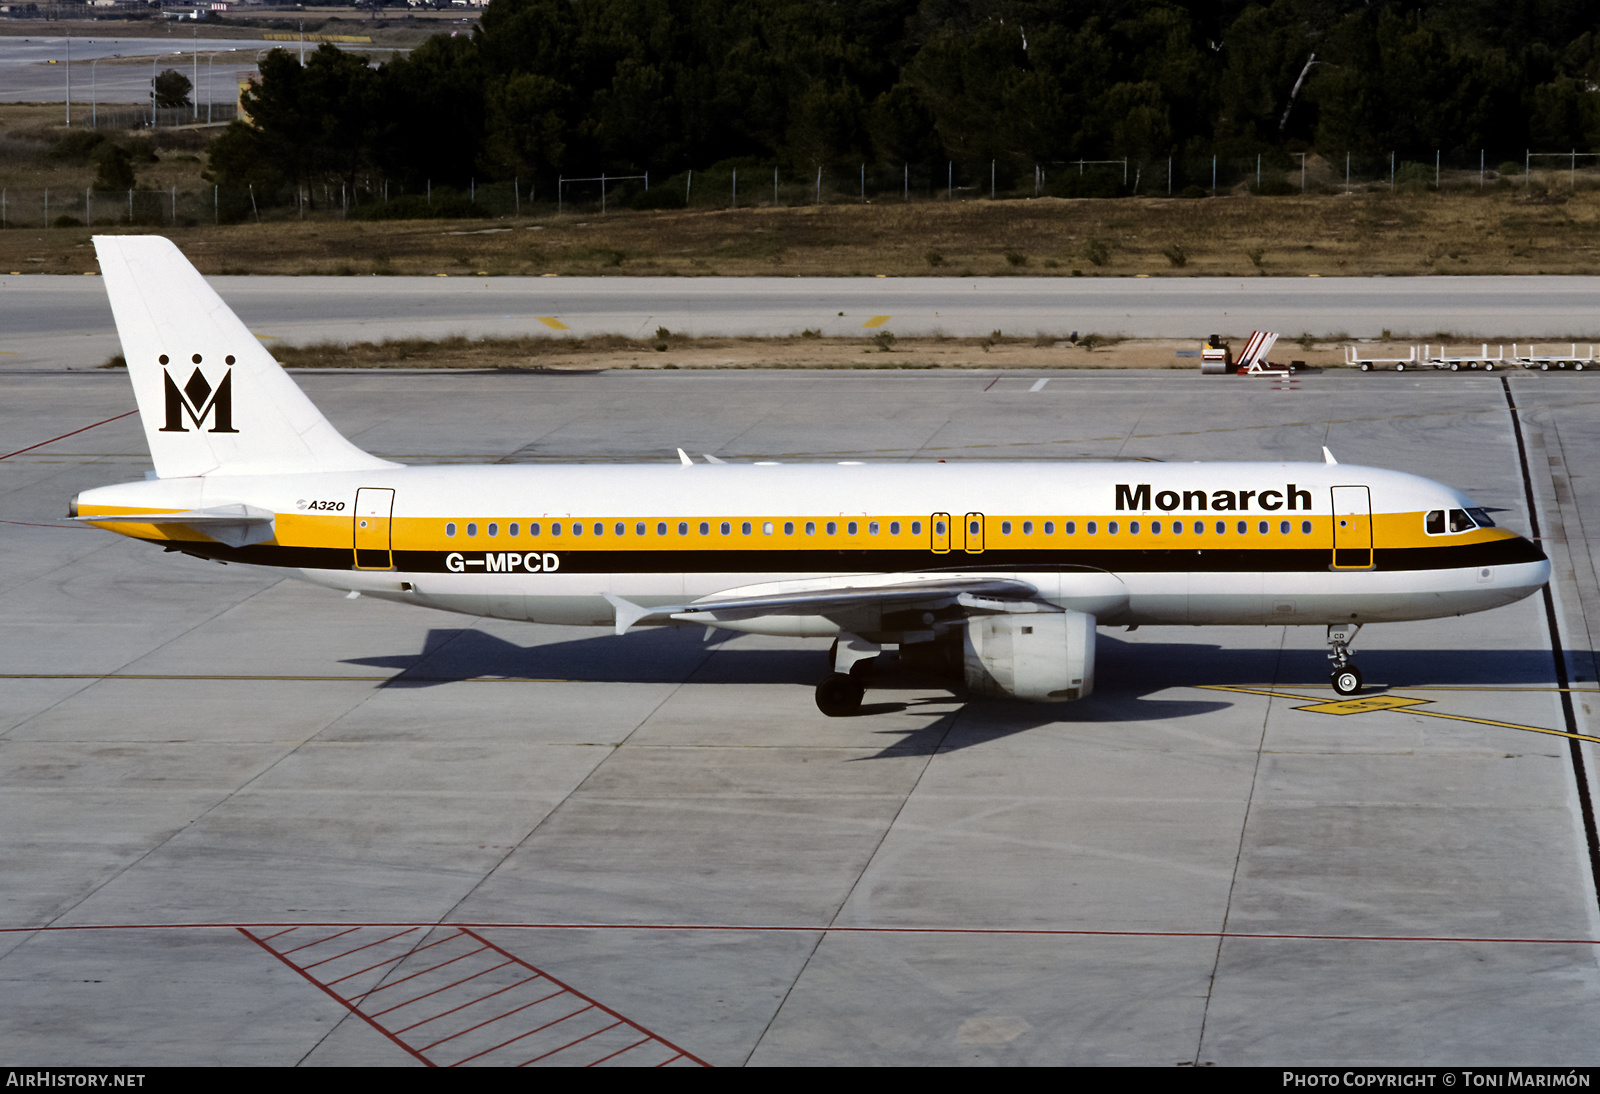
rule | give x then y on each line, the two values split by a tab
1546	228
1359	234
556	353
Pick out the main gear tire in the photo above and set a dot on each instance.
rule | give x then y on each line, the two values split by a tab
839	696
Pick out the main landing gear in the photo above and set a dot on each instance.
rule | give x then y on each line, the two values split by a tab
841	691
1346	678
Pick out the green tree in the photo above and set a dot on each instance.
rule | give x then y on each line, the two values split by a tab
113	169
172	88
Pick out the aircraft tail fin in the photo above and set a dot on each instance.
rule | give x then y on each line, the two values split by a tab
212	399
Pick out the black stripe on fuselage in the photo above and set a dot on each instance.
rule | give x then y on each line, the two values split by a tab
1286	560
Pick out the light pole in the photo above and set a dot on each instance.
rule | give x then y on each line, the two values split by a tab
94	121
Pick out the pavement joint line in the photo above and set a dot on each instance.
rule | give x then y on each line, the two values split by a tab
781	928
1409	707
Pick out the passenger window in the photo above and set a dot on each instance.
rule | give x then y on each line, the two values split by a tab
1199	527
1027	527
705	528
1481	518
1243	527
851	527
1177	527
1283	528
1133	527
811	527
1049	527
745	528
472	528
599	529
894	528
533	527
726	528
555	528
766	528
450	528
1262	527
1155	528
872	527
1222	527
973	528
1071	527
833	527
938	527
661	528
621	529
788	527
916	527
494	529
1111	527
577	527
1460	522
1091	528
683	527
638	529
1005	527
1434	522
1305	528
511	529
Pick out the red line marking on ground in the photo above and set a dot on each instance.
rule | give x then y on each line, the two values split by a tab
768	928
619	1052
993	382
358	949
496	1018
424	972
564	1048
580	995
320	941
463	1006
336	996
669	1060
64	436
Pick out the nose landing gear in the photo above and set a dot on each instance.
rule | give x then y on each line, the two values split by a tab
1346	678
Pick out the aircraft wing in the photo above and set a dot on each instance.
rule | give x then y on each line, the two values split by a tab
844	600
235	525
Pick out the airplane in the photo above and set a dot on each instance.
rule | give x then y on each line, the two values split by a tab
994	574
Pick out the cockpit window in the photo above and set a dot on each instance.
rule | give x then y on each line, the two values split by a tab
1439	521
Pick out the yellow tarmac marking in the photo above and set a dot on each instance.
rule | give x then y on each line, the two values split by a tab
876	321
553	323
1410	705
1362	705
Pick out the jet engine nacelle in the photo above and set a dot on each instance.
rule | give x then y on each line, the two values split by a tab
1044	658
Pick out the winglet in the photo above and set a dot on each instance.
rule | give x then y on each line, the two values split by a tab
628	613
683	458
712	459
1327	457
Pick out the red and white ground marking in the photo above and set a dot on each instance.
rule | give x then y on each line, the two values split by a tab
450	997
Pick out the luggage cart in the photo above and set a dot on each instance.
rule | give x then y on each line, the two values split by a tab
1352	356
1455	363
1544	362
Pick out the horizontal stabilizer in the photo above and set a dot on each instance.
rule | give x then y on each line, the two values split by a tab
235	525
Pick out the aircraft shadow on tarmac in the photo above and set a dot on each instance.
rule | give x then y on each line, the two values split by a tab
1128	674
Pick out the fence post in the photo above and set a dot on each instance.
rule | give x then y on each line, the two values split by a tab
819	184
907	195
88	206
602	193
1169	178
1435	168
1347	171
1574	169
688	187
1213	172
130	206
991	179
950	182
647	182
430	193
1527	168
735	204
863	184
253	206
47	207
516	195
174	205
774	187
558	195
1480	169
1258	172
1391	171
216	205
